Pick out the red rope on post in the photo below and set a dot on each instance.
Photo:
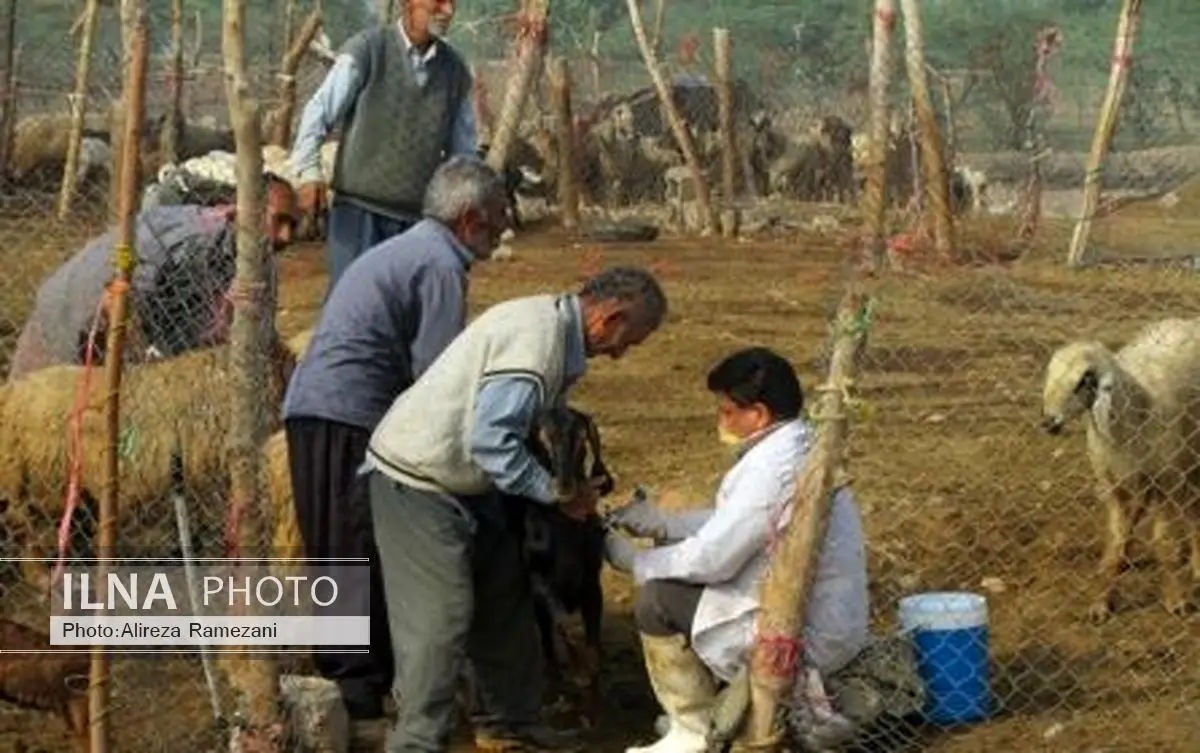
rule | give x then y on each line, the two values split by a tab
533	28
778	655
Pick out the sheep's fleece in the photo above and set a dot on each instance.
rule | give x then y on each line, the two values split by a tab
186	262
210	179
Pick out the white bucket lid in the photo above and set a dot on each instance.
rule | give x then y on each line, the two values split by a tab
943	610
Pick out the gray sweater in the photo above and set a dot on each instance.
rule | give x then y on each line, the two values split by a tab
393	312
399	129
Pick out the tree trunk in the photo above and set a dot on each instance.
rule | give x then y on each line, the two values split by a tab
255	680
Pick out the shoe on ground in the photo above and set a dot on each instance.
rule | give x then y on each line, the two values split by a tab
527	738
368	735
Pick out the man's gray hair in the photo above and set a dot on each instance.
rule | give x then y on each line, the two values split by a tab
629	284
460	183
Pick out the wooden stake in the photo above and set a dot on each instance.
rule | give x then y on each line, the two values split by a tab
932	162
775	656
874	200
12	103
256	680
1106	125
99	691
683	135
723	65
172	133
560	99
78	101
532	34
289	23
283	116
660	22
8	105
485	124
594	59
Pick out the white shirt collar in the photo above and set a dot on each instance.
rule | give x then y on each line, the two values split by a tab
408	45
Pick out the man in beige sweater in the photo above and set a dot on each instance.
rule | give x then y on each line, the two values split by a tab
455	585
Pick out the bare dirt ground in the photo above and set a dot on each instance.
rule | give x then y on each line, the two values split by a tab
959	489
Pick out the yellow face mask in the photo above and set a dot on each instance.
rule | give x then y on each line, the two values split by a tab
727	437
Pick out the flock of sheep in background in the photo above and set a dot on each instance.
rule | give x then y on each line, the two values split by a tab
625	153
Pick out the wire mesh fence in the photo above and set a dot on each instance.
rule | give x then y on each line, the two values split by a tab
962	488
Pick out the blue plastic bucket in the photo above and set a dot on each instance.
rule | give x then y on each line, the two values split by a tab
950	638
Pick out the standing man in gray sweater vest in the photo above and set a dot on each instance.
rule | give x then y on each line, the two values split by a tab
397	307
454	580
402	97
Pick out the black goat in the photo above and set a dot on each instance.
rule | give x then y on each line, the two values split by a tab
564	555
512	181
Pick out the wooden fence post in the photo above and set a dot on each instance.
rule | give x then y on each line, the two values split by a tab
1106	125
255	680
560	99
532	33
78	101
874	200
679	128
99	690
932	163
723	72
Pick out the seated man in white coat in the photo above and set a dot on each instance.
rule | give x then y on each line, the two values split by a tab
698	598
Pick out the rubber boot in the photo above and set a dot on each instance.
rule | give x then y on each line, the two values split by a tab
685	689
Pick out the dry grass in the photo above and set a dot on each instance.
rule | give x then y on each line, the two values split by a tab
958	487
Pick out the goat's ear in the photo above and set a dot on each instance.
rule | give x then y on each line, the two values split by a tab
1088	387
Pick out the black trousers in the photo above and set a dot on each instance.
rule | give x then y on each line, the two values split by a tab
333	511
666	607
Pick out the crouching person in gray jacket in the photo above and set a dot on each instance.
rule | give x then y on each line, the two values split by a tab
453	577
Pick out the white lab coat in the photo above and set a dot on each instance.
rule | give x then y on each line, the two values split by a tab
727	553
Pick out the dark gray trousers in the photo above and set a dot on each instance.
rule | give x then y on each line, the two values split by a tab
351	230
666	607
456	589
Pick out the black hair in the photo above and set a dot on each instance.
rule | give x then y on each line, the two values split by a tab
759	375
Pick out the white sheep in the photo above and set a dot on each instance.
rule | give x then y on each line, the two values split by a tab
40	144
278	160
1142	408
95	157
968	189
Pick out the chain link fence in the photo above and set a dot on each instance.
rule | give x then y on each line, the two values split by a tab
960	486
